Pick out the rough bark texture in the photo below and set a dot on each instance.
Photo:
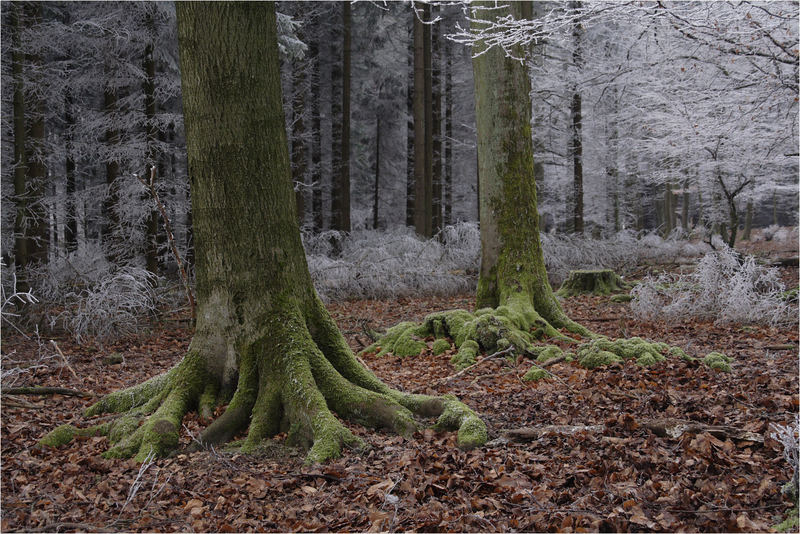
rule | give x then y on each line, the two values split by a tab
422	156
264	343
410	129
512	264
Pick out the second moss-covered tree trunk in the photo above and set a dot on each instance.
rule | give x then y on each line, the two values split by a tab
512	265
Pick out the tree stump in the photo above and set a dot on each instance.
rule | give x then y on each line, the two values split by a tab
597	282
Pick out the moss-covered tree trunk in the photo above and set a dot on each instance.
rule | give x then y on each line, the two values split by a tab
512	265
263	343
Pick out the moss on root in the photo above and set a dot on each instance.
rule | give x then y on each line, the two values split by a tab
440	346
467	355
64	434
457	416
535	374
401	340
294	375
718	361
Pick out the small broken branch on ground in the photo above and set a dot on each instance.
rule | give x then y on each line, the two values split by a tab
672	428
46	390
497	354
53	342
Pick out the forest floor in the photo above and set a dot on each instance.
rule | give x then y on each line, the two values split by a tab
613	474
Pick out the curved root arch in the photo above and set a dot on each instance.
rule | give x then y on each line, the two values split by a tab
294	377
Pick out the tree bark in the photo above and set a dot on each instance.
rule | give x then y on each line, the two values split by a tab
21	253
341	196
37	223
410	128
111	221
448	135
422	193
669	210
436	129
577	134
336	120
264	344
376	196
151	132
512	267
316	140
428	100
748	221
299	165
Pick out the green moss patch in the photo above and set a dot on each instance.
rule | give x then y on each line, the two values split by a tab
440	346
718	361
467	355
535	374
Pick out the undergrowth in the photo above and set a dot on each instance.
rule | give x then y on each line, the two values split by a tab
724	287
92	299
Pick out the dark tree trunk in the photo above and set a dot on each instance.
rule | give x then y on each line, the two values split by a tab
149	87
298	137
21	252
341	190
448	135
376	196
410	129
71	222
422	210
38	226
577	135
436	128
316	140
428	126
111	220
336	121
748	221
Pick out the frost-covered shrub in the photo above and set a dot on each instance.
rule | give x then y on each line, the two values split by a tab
789	437
723	287
568	252
376	264
90	297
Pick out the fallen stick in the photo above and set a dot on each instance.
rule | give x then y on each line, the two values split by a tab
45	390
53	341
484	359
783	346
15	402
672	428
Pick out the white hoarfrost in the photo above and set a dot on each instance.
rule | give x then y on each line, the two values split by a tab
724	287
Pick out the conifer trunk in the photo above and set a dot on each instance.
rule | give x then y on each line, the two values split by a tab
21	254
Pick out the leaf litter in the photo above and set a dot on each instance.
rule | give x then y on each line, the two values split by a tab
610	473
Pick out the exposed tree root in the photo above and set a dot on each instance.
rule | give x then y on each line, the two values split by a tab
293	375
518	326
